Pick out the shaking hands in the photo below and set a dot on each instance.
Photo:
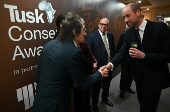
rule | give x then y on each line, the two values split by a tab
104	70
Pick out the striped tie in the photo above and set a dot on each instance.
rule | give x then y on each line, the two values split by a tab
106	46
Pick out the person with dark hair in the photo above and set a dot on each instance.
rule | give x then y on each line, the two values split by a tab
148	43
62	62
81	98
101	44
59	21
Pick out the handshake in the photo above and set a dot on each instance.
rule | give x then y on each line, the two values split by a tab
105	70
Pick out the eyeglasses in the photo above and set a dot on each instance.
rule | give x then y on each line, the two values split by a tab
102	24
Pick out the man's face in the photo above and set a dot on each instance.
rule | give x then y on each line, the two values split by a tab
103	25
131	18
80	37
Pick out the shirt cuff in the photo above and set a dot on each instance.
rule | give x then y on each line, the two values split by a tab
101	73
112	66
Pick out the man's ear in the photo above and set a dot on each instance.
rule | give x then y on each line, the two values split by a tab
138	12
74	32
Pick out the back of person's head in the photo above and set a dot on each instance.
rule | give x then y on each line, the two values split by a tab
59	20
72	22
72	15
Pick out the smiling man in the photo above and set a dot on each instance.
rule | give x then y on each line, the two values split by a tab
150	58
102	46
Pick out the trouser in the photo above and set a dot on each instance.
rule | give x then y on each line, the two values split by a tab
96	89
81	100
126	77
147	97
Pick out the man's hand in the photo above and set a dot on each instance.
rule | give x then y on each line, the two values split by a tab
104	71
135	53
109	66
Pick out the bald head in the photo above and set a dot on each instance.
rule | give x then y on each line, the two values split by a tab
103	25
104	19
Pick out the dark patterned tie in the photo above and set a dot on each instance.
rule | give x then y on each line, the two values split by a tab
138	39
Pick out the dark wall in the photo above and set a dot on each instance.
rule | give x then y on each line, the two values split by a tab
25	29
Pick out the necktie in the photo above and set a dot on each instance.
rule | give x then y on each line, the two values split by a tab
106	46
138	39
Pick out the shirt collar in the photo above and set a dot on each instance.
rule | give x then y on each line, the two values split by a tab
102	33
75	43
143	25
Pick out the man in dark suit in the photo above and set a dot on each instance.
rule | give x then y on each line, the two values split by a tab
150	57
62	62
102	46
126	77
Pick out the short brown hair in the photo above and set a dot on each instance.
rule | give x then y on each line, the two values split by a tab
134	7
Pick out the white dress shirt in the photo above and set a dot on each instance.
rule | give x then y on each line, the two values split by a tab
142	29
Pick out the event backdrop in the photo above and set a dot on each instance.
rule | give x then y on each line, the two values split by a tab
25	26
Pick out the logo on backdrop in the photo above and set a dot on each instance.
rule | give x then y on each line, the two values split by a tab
26	94
47	7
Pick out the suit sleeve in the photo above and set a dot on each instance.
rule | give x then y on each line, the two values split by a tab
163	56
78	72
120	56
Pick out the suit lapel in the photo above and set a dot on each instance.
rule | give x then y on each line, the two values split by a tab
132	35
148	36
148	28
101	41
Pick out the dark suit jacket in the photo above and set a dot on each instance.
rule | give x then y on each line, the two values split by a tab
60	64
156	46
98	49
127	59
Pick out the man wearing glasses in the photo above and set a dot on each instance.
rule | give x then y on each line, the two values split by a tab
101	44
